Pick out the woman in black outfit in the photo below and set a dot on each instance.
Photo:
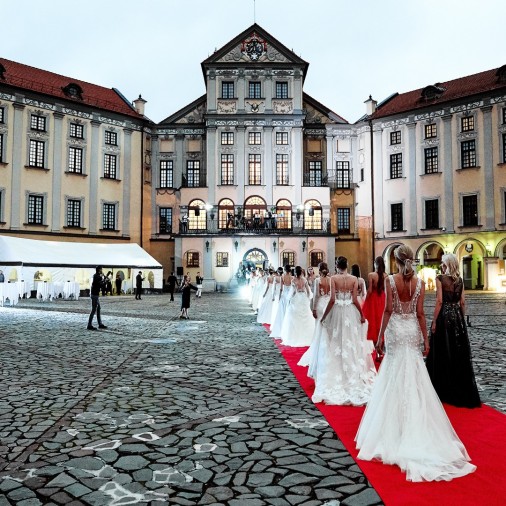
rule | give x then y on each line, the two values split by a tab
449	360
186	288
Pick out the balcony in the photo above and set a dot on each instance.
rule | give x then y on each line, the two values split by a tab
264	226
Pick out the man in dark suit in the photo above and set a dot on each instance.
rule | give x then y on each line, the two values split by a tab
172	282
138	285
96	285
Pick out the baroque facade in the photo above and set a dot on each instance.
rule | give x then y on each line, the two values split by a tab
243	174
71	159
439	157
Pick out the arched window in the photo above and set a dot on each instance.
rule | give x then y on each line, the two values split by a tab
197	215
312	215
316	257
226	214
254	207
284	214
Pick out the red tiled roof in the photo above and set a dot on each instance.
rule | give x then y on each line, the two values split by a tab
484	82
41	81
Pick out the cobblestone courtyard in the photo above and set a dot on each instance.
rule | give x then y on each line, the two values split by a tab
157	410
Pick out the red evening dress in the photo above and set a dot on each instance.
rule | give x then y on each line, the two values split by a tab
373	308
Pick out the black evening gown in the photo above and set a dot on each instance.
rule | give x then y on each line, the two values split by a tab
449	360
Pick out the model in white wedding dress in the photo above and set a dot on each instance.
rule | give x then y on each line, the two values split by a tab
405	423
298	323
284	297
320	301
345	371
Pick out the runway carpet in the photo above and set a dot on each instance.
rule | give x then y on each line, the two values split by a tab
483	432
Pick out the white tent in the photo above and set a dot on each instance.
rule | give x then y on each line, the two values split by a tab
32	260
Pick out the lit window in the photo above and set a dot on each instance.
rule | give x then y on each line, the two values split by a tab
282	138
165	220
227	169
75	160
343	220
288	258
227	138
316	258
281	169
315	174
193	174
2	115
430	131
192	259
255	138
222	259
467	123
255	170
343	174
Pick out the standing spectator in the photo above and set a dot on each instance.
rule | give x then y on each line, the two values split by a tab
199	280
186	288
449	360
184	224
96	286
172	282
2	278
118	281
138	285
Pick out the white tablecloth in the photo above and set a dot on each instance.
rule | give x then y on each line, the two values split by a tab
71	289
45	290
9	291
23	289
58	289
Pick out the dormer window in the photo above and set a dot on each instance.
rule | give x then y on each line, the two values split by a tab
501	74
432	91
73	90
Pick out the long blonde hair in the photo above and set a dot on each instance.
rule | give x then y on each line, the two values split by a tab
452	265
404	258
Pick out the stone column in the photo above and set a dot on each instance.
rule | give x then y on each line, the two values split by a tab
212	163
488	169
209	284
240	168
17	164
95	174
127	181
447	168
58	171
412	180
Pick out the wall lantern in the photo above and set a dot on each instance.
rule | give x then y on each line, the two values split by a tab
207	245
236	244
303	245
274	246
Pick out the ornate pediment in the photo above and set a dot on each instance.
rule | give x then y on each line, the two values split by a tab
191	114
254	45
317	113
195	115
314	115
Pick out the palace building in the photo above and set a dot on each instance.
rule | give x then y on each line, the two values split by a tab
255	172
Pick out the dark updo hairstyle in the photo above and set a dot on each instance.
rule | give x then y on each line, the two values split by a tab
287	268
323	268
380	269
298	271
355	270
342	263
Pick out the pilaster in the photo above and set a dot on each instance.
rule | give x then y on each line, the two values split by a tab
95	164
57	171
127	181
17	165
412	177
447	165
488	171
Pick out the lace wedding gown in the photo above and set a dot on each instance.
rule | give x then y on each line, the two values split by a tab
320	303
345	372
404	422
298	324
280	315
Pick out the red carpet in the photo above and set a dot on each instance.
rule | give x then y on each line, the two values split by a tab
483	432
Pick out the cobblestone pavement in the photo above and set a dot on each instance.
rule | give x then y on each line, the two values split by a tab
157	410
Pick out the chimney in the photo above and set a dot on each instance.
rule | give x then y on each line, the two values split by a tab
139	105
370	106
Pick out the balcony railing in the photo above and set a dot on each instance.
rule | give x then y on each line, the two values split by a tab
268	226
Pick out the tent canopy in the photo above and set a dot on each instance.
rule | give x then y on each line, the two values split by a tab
29	252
